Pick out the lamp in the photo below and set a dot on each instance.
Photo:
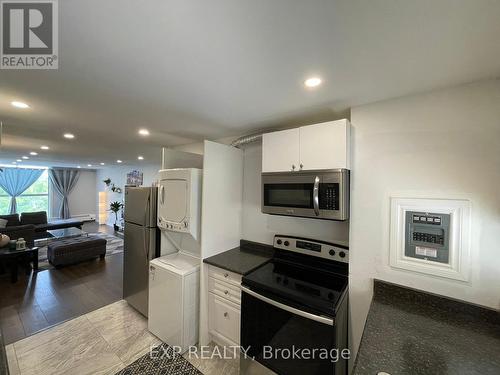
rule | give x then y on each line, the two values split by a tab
103	207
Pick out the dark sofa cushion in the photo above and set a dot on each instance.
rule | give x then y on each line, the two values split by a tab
34	218
12	220
25	231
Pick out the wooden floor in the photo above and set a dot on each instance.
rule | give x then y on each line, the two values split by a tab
50	297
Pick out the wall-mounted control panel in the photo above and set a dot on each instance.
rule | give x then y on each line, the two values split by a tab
427	236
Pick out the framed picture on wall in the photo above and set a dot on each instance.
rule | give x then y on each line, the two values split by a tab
135	178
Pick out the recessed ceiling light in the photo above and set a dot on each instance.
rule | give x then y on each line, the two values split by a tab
69	135
25	157
14	162
143	132
79	166
44	147
312	82
119	161
89	165
102	163
19	160
33	153
19	105
140	157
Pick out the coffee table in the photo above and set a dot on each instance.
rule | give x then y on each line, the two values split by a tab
12	258
59	234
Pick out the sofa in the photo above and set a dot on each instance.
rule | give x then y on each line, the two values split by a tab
34	225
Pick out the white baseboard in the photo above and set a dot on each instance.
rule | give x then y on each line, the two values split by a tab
85	217
82	217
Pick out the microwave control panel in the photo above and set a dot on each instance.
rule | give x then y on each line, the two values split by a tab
427	236
328	196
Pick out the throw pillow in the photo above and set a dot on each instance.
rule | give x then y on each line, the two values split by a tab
3	223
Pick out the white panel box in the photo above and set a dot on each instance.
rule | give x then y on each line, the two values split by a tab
454	243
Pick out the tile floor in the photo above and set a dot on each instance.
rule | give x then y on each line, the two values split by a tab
100	342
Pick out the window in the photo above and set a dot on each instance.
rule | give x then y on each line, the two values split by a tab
35	198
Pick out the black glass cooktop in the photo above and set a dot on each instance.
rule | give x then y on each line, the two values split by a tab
311	289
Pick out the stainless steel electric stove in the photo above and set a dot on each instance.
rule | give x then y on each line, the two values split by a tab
294	310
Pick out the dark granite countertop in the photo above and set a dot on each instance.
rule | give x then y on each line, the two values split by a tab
413	332
243	259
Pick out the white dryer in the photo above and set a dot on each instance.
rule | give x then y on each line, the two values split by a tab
179	200
174	293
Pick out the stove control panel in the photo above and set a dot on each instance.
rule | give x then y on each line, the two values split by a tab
306	246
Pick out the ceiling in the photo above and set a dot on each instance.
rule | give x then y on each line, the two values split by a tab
189	70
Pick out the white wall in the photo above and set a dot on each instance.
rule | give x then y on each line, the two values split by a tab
443	144
81	199
118	176
260	227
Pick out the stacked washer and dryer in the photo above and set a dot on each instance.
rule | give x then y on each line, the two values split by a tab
174	279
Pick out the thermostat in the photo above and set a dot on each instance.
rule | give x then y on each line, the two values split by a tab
427	236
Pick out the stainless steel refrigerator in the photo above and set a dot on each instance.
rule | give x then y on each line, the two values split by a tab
141	244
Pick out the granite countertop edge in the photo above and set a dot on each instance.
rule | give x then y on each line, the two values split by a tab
242	259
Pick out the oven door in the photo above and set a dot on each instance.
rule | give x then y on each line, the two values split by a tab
321	194
272	332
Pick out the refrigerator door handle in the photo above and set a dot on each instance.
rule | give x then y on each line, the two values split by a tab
145	236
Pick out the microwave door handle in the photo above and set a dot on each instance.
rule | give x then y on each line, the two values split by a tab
316	196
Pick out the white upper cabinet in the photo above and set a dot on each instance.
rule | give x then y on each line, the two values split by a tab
318	146
280	151
325	145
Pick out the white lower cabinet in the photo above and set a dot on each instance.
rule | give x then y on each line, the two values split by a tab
224	305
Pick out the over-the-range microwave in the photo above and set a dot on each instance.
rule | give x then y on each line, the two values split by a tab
318	194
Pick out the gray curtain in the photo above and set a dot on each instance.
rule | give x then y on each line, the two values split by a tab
63	181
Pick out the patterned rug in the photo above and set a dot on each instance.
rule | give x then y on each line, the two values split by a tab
160	361
114	245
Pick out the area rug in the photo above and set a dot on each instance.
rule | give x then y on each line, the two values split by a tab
161	360
114	245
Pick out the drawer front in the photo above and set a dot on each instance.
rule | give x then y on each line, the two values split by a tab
225	290
224	318
228	276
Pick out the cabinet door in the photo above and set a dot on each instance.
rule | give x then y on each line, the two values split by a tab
325	145
223	318
280	151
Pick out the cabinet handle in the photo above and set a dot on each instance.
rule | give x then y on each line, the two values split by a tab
301	166
293	167
226	275
225	315
226	292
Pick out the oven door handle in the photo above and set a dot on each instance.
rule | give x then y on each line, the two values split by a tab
316	196
293	310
